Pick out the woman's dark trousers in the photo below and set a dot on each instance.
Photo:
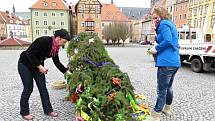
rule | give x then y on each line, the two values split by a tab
27	77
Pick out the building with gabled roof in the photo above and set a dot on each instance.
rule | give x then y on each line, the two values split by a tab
12	24
88	16
48	16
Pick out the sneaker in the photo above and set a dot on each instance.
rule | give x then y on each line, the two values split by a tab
28	117
155	116
167	110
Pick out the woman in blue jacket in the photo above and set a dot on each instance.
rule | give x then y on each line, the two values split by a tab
167	60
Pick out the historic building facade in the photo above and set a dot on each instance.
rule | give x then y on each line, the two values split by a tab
48	16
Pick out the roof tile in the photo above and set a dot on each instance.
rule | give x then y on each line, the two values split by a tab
51	5
13	42
110	12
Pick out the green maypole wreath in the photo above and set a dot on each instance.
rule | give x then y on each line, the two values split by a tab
101	91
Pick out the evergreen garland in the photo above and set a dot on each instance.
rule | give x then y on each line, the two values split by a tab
100	90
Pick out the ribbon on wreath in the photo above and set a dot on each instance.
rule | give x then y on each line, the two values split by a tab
100	64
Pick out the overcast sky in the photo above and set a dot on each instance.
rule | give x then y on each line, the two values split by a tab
23	5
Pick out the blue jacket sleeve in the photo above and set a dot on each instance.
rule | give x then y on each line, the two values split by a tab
166	38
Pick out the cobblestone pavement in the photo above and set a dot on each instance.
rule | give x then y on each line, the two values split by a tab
194	97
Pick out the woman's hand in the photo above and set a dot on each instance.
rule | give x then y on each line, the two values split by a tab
42	69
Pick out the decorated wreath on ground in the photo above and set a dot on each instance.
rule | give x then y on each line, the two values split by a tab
101	91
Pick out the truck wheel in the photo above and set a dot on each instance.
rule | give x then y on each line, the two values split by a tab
197	65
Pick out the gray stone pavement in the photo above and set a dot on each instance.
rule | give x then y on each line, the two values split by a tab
194	97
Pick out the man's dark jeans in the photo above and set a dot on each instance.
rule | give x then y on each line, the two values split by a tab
165	77
27	77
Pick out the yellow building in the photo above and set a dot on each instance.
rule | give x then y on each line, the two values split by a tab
88	13
202	15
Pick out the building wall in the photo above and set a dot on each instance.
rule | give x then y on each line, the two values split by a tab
180	13
19	31
56	19
137	29
202	15
2	30
170	6
93	15
146	31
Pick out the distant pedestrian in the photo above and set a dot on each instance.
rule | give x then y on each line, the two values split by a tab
167	60
31	66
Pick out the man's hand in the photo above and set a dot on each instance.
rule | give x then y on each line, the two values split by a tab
42	69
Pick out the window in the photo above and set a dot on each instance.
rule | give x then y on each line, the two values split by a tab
204	20
206	9
208	38
175	18
36	13
45	4
180	17
37	32
45	32
96	11
11	21
37	23
194	22
53	23
190	12
61	14
196	1
189	21
45	14
193	35
198	23
89	26
53	14
54	4
201	9
82	15
82	24
214	7
89	23
182	35
45	23
195	11
191	2
62	23
184	16
212	21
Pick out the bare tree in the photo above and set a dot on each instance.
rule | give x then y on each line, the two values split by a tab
124	32
116	31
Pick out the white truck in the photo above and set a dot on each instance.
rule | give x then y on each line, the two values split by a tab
197	49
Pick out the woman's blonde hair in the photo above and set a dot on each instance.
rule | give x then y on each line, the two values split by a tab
162	12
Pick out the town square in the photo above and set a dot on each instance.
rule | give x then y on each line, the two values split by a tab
107	60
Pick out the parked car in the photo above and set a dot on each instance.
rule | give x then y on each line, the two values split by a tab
145	43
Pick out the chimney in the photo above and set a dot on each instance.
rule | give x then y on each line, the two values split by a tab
111	1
